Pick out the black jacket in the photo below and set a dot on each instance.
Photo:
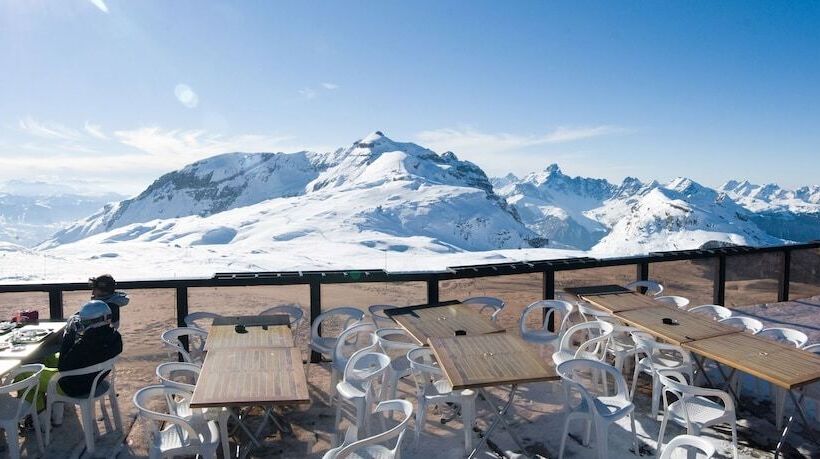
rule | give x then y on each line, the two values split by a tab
95	346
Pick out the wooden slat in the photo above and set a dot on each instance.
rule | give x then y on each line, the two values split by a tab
251	377
777	363
423	322
619	302
490	360
691	327
225	336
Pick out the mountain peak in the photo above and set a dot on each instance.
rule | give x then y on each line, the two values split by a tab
373	138
553	169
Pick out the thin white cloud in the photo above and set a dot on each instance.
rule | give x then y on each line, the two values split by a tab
47	130
181	146
95	130
308	93
100	4
472	140
186	96
330	86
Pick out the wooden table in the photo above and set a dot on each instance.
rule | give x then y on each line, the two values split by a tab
691	327
26	351
622	301
496	359
250	321
442	321
251	377
780	364
226	336
6	365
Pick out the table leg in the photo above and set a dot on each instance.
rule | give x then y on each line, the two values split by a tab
702	369
728	380
798	403
499	418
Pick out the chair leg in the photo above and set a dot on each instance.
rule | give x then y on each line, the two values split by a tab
223	433
105	418
734	440
468	418
337	424
421	414
35	421
601	438
634	378
588	432
13	442
115	410
564	438
661	432
656	395
634	434
89	425
779	406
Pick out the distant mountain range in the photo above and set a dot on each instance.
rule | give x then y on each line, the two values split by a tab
379	196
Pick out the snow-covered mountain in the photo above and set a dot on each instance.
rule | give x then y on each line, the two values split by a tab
30	213
378	187
637	217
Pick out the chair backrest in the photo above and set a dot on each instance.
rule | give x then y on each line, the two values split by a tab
293	311
687	443
198	319
591	313
29	385
426	372
673	300
381	319
593	346
716	311
552	307
170	373
646	344
813	348
652	287
366	365
574	373
675	382
746	323
406	408
147	397
346	315
102	370
494	305
196	342
395	341
785	335
358	336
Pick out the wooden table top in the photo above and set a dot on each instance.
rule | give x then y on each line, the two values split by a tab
490	360
6	365
780	364
225	336
691	326
423	322
28	350
621	301
251	377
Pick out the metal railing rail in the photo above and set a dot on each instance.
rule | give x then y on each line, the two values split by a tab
315	279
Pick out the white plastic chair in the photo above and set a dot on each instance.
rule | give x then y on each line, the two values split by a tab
16	408
395	342
198	319
673	300
592	347
688	443
542	335
171	435
433	388
598	411
717	312
196	343
101	386
591	313
294	313
814	349
358	336
658	357
372	447
357	386
694	408
169	375
788	336
381	319
324	343
652	287
620	346
494	305
747	323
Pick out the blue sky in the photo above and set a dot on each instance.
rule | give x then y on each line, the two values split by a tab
110	94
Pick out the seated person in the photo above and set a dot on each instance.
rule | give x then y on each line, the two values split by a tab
89	339
103	288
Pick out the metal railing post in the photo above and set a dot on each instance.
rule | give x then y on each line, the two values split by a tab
719	285
182	312
642	273
432	290
785	277
549	294
315	311
55	304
